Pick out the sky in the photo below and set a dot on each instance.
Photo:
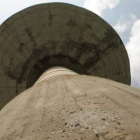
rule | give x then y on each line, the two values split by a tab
122	15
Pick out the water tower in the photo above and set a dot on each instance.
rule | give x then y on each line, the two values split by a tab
65	74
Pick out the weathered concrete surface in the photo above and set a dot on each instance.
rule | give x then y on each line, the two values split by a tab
55	72
57	34
73	108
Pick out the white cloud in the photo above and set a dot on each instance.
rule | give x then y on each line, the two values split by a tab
133	48
133	17
123	24
98	6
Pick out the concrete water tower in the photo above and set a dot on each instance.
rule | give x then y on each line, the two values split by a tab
65	74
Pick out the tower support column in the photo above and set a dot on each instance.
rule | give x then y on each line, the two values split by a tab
55	72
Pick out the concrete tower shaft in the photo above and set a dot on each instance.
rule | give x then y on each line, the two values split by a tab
55	72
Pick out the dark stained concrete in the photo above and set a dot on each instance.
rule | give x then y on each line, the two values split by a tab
57	34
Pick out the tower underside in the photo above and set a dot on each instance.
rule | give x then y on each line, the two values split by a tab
57	34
